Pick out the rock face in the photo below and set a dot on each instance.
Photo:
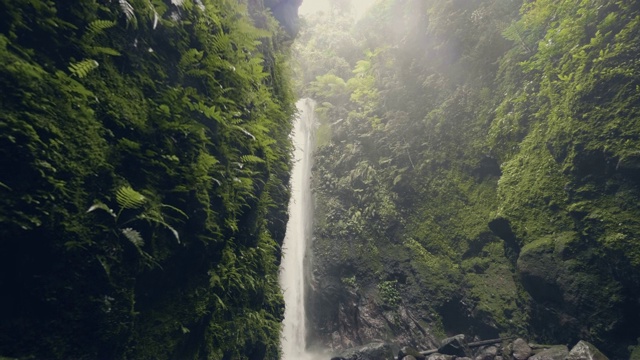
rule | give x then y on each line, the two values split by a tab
345	317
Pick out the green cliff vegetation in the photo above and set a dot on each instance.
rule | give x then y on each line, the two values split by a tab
478	165
144	158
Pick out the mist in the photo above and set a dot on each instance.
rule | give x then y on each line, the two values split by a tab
447	164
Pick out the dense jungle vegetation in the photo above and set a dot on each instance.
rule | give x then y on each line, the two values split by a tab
144	165
477	167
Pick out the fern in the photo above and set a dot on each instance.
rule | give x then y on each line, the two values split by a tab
129	12
159	220
97	50
190	58
156	16
176	210
101	206
514	33
251	159
244	131
221	42
3	185
133	236
98	26
128	198
82	68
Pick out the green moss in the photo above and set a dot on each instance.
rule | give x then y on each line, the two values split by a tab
96	100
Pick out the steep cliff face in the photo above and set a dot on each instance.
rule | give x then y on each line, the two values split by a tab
476	172
144	160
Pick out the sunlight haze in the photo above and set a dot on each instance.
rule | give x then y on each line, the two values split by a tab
359	7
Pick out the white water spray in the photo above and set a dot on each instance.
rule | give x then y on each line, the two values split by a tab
292	271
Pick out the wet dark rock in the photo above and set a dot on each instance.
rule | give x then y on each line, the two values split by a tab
343	317
585	351
520	349
455	345
556	352
372	351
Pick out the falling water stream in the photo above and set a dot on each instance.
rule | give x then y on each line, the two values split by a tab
292	270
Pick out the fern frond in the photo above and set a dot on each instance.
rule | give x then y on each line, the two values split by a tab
190	57
82	68
156	16
245	132
157	219
98	26
176	210
221	42
514	32
129	11
101	206
133	236
129	199
251	159
97	50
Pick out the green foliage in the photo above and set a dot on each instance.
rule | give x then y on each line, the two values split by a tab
83	68
193	112
133	236
128	198
389	293
523	112
98	26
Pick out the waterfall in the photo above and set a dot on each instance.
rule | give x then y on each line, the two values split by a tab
292	270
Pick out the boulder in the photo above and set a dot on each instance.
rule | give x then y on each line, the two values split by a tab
488	353
409	351
556	352
585	351
408	357
455	345
520	349
372	351
440	357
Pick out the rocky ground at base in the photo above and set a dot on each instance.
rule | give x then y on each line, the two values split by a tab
461	347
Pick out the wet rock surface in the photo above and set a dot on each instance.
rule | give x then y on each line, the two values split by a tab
459	347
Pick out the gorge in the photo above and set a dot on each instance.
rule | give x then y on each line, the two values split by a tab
474	169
